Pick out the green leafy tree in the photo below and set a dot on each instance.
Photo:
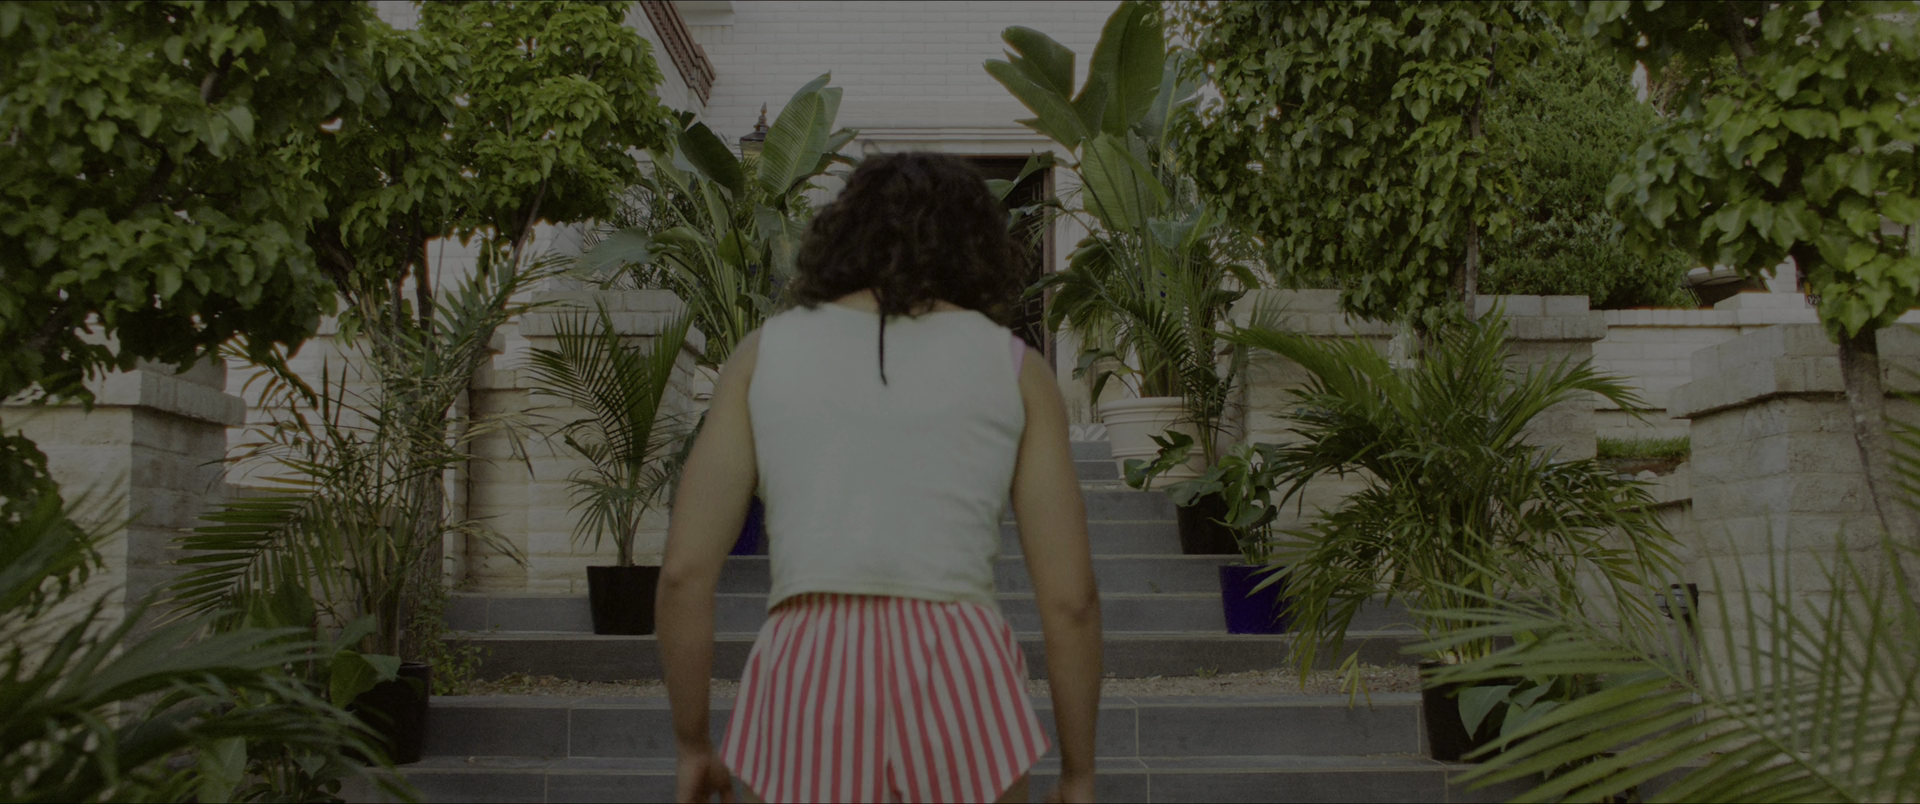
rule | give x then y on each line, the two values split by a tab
155	183
1352	136
490	118
1574	117
1802	149
155	186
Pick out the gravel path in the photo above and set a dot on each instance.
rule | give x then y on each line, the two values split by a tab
1257	682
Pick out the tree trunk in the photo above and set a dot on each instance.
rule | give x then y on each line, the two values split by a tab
1470	270
1867	401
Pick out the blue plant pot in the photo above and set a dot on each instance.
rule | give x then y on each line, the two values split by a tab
753	534
1250	612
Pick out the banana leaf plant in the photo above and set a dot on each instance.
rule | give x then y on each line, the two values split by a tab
723	232
628	443
1149	289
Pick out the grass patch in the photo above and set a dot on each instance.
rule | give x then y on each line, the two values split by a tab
1677	448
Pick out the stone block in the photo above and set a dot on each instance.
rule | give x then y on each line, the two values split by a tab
1569	306
1520	306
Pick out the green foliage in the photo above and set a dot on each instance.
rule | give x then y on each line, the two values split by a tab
1678	447
1245	477
93	710
157	181
491	117
722	232
1796	698
625	439
1455	504
355	511
1149	288
1804	149
1574	117
1349	136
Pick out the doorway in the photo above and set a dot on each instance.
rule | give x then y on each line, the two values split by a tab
1036	238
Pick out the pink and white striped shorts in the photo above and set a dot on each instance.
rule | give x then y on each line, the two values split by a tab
862	698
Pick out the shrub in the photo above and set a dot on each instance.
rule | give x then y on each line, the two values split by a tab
1575	115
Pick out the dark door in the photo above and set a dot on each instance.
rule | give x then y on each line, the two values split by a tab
1033	233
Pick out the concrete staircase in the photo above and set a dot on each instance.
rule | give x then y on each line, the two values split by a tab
1162	618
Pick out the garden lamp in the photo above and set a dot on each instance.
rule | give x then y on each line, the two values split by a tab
751	143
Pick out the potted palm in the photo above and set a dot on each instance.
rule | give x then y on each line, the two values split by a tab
1229	510
1457	508
626	441
722	231
1149	288
351	511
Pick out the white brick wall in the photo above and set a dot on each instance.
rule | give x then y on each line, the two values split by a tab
903	65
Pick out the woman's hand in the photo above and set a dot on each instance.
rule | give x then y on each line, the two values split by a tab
701	776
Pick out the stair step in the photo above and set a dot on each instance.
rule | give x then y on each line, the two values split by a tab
745	612
1093	451
1166	726
593	657
1110	503
1151	537
1118	574
1098	471
1227	779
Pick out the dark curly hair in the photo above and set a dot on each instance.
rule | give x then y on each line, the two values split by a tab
914	228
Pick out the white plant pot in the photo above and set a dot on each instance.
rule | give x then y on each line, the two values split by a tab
1131	425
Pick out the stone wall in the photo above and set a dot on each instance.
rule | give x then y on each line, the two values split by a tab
1653	349
1777	484
145	463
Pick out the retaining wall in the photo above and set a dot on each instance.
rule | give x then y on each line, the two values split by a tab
1777	483
144	464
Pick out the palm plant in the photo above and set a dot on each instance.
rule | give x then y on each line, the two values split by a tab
723	232
626	441
1149	289
1455	502
1791	698
92	710
353	507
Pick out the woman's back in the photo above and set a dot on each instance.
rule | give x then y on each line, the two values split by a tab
884	444
891	488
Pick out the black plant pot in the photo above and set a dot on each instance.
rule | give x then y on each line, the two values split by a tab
1250	612
397	711
753	534
1447	737
622	599
1200	535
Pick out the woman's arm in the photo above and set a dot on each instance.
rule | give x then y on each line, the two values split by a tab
1053	535
708	510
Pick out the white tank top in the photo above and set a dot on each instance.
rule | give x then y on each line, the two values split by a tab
892	489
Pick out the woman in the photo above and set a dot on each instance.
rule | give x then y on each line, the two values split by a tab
884	421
